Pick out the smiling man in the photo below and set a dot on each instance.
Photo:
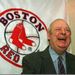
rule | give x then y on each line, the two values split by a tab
59	35
55	59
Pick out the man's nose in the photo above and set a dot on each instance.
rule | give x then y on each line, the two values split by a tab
63	31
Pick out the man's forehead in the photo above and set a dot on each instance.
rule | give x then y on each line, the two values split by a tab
60	23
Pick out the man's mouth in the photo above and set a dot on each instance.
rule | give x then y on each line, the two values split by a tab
62	39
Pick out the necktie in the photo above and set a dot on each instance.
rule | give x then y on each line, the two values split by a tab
60	66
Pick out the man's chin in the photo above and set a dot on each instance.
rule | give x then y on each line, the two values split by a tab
63	47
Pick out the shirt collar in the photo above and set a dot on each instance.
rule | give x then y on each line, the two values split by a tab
54	55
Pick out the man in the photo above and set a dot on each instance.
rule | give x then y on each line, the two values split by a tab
55	59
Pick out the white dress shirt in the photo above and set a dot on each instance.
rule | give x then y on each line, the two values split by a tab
54	57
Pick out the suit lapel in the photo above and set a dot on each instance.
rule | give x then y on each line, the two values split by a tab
47	62
69	64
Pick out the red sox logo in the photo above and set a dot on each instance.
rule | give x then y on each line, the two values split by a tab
21	33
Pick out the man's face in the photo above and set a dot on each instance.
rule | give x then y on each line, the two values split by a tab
60	36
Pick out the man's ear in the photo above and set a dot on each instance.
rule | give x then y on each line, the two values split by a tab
48	35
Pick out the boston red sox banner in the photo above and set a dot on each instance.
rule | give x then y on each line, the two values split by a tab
23	29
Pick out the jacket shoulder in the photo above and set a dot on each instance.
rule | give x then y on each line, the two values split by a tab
69	55
32	56
33	62
36	56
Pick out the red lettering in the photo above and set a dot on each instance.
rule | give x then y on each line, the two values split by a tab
5	49
9	55
16	58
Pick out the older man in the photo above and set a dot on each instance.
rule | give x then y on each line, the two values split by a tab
55	59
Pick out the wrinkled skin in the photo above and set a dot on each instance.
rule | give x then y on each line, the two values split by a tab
59	36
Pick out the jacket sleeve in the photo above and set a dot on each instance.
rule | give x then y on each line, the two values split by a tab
31	64
27	67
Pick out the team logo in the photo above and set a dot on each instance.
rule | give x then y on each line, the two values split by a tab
21	33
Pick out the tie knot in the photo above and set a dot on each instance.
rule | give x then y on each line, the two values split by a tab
60	58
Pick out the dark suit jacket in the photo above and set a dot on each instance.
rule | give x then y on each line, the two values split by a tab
41	63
